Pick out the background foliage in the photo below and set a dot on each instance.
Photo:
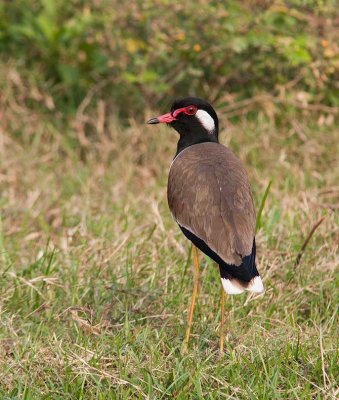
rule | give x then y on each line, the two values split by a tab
142	52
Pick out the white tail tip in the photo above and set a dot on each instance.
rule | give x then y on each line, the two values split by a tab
231	286
255	285
235	286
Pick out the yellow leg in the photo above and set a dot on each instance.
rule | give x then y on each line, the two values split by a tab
194	295
222	321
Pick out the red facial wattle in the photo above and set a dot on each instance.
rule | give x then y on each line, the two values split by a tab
170	117
166	118
189	110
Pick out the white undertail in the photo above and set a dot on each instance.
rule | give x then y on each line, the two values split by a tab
234	286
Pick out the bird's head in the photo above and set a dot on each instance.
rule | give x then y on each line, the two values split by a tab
191	117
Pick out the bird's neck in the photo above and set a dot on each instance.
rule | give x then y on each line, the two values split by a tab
187	140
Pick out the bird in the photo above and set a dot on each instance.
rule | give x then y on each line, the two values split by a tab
210	198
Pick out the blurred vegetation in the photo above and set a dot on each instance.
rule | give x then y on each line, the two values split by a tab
142	53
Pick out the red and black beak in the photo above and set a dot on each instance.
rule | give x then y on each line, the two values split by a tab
166	118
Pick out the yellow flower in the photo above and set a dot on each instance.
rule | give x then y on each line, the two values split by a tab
197	48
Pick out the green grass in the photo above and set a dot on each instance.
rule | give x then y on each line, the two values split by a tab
95	277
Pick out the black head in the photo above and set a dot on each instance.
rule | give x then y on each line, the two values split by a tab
194	119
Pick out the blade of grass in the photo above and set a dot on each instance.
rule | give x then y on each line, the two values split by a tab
262	205
303	247
4	254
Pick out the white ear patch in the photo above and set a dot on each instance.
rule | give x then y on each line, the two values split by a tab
206	120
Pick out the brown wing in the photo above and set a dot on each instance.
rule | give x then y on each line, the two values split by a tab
209	194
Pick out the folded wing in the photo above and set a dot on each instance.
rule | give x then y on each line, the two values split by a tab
218	206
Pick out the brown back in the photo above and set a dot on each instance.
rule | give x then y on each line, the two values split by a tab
209	194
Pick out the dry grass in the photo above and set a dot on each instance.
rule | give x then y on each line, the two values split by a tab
95	276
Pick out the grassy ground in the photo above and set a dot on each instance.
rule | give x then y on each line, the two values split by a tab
95	277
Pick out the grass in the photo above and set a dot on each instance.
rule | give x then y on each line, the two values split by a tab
95	277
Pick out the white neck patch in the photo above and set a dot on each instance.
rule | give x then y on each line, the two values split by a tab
206	120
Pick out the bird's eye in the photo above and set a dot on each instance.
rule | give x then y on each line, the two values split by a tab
191	110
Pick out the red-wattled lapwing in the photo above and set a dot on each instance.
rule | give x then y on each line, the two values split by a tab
210	198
